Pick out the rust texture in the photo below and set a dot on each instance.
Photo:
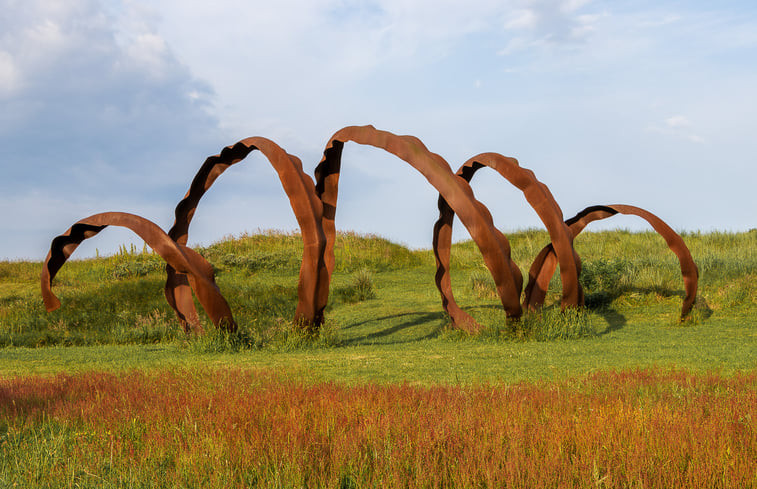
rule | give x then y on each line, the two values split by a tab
314	203
541	200
199	273
544	265
455	191
307	207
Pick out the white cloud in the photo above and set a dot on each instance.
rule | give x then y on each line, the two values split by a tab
522	19
659	20
677	121
549	26
694	138
89	120
549	22
10	78
46	35
677	126
149	52
573	5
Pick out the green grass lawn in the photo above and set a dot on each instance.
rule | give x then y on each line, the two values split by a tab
414	347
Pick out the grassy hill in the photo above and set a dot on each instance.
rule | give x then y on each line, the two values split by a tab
384	294
108	392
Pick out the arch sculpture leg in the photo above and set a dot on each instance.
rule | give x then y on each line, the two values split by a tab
455	191
544	265
541	200
307	207
184	260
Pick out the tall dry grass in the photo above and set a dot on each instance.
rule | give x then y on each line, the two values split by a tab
226	428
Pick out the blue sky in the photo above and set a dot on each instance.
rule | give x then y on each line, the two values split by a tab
113	106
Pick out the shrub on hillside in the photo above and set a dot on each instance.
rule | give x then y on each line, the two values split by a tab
359	289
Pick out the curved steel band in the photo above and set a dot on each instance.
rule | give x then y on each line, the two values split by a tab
314	205
544	264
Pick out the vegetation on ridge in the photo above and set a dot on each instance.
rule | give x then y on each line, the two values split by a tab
118	299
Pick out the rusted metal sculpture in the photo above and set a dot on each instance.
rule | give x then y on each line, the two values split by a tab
184	260
455	191
544	265
541	200
314	206
307	207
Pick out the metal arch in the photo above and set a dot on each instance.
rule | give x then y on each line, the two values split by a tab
456	191
541	200
186	261
544	265
314	205
307	207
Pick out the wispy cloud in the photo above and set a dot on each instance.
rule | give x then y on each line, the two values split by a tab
543	23
678	126
677	121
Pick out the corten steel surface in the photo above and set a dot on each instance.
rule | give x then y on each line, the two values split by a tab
314	206
541	200
307	207
455	191
544	265
186	261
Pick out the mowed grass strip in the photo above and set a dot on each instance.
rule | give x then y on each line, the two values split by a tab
234	428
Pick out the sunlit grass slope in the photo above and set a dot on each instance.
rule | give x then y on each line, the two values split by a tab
384	320
377	285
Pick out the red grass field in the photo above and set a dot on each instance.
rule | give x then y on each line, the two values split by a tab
225	428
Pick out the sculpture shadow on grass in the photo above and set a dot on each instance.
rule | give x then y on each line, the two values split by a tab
405	322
